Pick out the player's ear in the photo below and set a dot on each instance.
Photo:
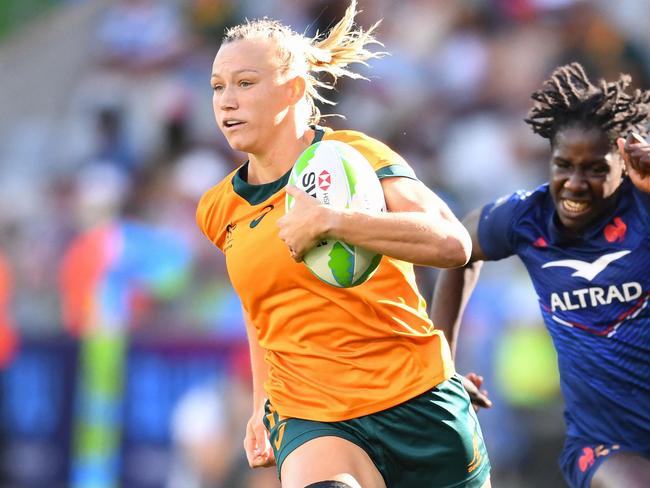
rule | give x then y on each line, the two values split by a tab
297	87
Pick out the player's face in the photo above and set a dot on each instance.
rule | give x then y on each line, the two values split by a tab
250	96
586	170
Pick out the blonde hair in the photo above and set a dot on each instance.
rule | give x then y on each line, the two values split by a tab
345	44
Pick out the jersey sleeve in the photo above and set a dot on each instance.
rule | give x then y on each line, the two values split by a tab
210	216
386	162
495	228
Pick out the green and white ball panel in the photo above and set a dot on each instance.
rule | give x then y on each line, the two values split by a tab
338	175
341	265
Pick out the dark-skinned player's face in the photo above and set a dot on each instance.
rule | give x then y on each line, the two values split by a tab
586	170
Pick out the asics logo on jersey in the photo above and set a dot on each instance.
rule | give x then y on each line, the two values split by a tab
257	220
587	270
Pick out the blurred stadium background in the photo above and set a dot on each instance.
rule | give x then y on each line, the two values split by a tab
123	359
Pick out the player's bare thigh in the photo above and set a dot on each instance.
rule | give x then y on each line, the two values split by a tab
624	470
330	458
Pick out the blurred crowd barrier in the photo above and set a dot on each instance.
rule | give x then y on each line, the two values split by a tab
122	349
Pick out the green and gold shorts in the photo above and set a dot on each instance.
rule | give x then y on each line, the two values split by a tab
431	441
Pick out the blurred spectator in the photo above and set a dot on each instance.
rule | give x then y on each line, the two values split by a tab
110	272
8	337
202	433
8	342
209	18
140	36
591	39
136	95
207	428
112	146
110	277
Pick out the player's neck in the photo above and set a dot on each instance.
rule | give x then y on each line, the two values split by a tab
279	157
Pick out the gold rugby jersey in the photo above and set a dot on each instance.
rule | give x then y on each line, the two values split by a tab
333	353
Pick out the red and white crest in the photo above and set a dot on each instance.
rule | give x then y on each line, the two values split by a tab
324	180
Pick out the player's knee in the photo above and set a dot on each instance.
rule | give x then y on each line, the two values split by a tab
329	484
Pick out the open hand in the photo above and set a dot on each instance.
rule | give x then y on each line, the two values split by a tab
479	398
636	153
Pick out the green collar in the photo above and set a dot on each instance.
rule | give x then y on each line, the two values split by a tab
256	194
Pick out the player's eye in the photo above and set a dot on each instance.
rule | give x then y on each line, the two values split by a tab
600	170
217	87
561	164
245	83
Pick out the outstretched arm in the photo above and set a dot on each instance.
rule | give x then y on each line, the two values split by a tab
452	292
418	227
455	286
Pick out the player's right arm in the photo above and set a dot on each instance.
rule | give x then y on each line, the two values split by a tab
455	286
256	443
452	292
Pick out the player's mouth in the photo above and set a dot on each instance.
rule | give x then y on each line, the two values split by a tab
232	124
574	208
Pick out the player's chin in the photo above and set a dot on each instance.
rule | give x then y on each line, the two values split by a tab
236	145
239	142
574	224
575	220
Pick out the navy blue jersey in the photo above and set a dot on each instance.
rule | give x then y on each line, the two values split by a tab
593	293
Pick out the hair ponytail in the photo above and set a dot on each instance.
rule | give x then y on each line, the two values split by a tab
345	44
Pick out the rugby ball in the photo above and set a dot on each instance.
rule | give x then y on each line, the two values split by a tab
337	174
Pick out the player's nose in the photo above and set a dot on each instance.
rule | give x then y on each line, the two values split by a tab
576	182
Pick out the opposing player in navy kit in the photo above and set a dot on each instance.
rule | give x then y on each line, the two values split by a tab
584	238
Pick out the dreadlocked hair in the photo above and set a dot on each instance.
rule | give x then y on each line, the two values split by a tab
345	44
568	97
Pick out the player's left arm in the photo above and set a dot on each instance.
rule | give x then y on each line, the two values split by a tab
418	227
636	153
